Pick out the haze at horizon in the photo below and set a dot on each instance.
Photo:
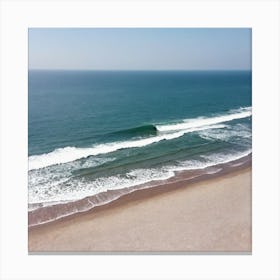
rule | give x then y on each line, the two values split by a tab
140	48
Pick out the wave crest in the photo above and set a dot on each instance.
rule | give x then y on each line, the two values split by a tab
160	132
68	154
144	130
202	121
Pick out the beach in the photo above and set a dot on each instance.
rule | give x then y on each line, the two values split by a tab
209	215
139	161
118	138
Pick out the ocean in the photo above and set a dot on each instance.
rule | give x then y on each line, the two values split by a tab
94	136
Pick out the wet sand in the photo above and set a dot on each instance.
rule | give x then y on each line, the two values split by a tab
212	215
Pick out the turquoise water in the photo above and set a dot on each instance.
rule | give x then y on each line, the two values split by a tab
92	131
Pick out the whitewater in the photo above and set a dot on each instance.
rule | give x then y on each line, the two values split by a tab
94	136
165	132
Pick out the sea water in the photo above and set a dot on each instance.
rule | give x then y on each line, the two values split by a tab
94	131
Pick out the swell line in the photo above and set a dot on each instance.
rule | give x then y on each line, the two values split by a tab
68	154
164	132
202	121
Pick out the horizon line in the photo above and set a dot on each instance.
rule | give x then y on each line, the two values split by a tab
61	69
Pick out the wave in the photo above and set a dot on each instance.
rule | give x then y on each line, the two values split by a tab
99	192
202	121
144	130
162	132
68	154
212	160
77	189
232	135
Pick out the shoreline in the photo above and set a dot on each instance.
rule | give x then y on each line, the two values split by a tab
97	226
94	202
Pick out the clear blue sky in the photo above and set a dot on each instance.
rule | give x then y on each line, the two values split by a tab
140	48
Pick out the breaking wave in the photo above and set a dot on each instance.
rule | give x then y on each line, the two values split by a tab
156	132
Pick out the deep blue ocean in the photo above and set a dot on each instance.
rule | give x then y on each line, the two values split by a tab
93	131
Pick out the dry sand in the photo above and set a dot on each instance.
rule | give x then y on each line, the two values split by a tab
213	215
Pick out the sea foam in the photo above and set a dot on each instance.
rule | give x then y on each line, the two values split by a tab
68	154
202	121
165	132
50	194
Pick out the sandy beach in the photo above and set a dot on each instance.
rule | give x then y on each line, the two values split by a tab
212	215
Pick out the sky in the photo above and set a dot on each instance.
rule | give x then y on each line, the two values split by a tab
140	48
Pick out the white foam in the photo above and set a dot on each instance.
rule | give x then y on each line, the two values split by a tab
43	182
210	160
202	121
81	188
220	158
49	193
232	133
69	154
